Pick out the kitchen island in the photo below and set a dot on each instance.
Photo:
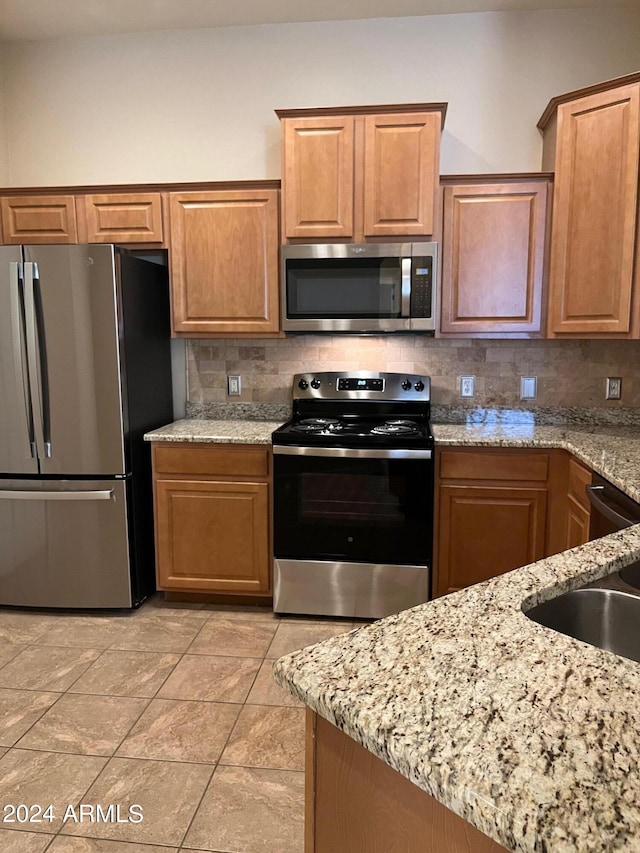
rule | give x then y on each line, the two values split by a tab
530	736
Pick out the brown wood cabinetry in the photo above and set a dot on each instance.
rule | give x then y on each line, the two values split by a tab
360	172
212	516
224	262
594	260
121	218
39	219
497	509
356	802
579	511
493	249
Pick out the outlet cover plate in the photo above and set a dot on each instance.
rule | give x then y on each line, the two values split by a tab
528	387
467	386
234	386
614	388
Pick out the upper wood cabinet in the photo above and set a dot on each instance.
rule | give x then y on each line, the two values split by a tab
39	219
317	176
354	173
121	218
224	262
493	251
594	262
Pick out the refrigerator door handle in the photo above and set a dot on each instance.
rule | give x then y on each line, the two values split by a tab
17	495
16	291
37	356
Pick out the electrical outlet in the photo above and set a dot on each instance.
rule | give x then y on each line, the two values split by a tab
528	387
614	388
234	386
467	386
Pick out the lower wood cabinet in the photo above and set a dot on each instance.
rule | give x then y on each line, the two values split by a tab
212	515
497	509
356	802
579	512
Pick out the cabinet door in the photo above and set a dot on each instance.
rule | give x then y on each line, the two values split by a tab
318	176
577	524
122	218
487	530
578	508
595	207
39	219
401	173
493	258
224	262
212	536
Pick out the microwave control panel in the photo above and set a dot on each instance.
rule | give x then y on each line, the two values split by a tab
421	287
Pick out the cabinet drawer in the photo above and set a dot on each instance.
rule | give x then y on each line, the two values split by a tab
579	477
203	460
487	465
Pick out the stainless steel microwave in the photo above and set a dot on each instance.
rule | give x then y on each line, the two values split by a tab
346	287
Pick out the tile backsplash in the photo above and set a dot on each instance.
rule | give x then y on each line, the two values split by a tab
569	373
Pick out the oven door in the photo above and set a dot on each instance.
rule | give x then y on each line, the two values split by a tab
338	504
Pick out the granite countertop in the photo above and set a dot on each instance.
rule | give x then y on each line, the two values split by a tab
531	736
227	431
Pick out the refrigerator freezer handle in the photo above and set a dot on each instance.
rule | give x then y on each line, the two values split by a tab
24	495
16	290
37	356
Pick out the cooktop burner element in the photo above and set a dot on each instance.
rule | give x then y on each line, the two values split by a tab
359	410
395	428
317	425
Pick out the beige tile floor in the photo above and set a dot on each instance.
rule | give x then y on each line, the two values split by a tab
171	708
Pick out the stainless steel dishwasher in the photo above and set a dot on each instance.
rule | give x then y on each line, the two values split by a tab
611	509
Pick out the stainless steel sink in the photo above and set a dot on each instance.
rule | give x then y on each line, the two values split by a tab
605	613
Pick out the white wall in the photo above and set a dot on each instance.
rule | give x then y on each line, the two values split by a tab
4	151
198	105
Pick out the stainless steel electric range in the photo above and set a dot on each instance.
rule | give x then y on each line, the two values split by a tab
353	495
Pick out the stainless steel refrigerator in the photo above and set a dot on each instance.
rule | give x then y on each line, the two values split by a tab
85	371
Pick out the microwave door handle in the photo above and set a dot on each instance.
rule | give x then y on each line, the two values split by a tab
405	270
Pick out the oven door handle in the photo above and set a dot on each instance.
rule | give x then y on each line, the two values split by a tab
352	452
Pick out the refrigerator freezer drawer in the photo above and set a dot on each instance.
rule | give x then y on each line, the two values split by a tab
65	544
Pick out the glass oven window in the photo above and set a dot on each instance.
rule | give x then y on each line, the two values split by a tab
344	289
360	510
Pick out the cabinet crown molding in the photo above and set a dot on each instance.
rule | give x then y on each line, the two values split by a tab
555	102
377	109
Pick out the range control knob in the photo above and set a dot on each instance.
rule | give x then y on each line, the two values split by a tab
303	385
406	385
419	386
315	383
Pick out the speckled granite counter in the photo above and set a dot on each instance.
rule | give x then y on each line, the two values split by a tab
531	736
237	431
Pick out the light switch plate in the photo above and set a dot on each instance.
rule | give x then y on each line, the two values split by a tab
467	386
528	387
234	386
614	388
